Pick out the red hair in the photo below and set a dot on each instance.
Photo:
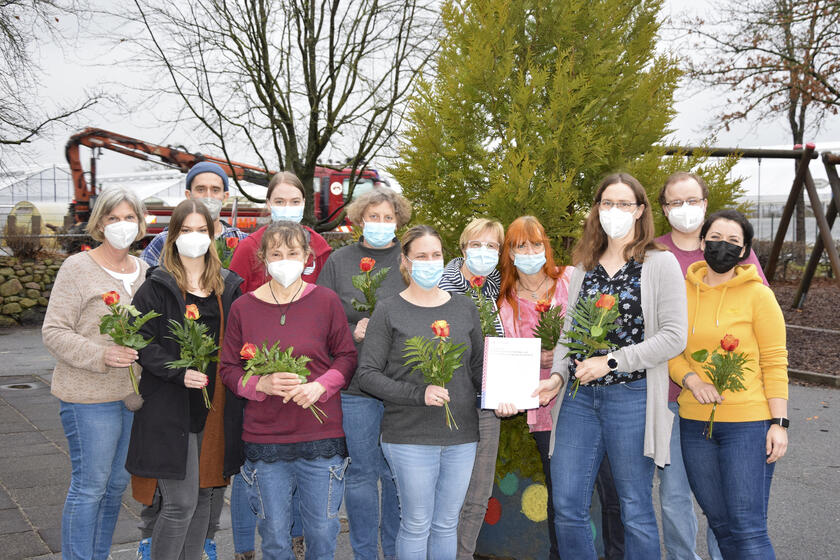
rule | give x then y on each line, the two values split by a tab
524	228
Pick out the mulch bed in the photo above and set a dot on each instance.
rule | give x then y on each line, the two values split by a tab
809	350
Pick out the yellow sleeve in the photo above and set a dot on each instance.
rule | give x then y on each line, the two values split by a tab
771	336
678	367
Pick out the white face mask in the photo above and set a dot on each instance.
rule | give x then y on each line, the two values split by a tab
214	206
687	218
121	234
193	244
285	272
616	223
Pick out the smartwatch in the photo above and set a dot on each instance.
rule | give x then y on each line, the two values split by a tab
783	422
612	363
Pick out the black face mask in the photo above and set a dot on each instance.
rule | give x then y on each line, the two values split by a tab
722	256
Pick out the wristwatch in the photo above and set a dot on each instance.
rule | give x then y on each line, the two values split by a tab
612	363
783	422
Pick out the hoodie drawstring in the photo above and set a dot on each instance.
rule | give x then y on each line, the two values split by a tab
720	305
696	306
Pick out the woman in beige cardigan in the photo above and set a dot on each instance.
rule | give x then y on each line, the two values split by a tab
91	374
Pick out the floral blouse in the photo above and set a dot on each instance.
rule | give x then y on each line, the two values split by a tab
626	286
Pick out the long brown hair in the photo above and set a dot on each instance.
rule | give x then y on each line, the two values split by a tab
211	279
523	228
593	242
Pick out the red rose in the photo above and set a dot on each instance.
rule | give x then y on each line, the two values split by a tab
606	301
85	248
232	242
111	298
543	305
477	281
729	343
366	264
248	351
441	328
192	312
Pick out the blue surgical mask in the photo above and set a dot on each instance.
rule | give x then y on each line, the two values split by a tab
482	261
529	264
427	274
379	234
287	213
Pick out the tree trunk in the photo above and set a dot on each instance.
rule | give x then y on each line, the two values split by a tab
800	241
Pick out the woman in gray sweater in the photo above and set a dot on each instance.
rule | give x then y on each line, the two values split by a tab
431	462
621	407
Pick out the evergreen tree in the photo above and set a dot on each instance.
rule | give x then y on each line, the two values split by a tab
531	104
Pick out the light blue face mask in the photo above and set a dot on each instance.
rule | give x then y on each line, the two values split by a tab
529	264
379	234
427	274
481	261
287	213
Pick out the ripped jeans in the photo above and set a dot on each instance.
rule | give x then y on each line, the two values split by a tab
320	485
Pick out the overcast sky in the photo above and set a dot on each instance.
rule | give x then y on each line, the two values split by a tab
83	63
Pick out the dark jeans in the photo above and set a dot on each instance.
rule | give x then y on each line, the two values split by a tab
731	479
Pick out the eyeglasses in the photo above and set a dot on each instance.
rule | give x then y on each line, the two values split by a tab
492	245
689	201
621	205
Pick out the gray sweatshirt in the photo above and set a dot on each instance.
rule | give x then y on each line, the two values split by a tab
665	312
382	371
338	273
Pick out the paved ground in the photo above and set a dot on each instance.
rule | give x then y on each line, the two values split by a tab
35	469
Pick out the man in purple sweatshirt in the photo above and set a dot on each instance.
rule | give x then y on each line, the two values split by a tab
684	199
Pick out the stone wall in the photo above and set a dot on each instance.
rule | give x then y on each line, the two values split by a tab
25	286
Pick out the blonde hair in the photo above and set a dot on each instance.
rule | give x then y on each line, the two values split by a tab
402	207
211	278
105	203
479	226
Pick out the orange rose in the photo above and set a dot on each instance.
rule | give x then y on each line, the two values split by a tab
366	264
543	305
84	248
232	242
192	312
477	281
248	351
606	301
729	343
111	298
441	328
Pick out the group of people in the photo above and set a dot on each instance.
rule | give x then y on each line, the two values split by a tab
379	442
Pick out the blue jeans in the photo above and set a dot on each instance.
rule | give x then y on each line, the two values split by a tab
731	480
97	437
679	522
361	418
243	521
603	419
432	482
320	485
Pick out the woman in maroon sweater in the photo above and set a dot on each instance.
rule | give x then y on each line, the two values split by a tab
285	445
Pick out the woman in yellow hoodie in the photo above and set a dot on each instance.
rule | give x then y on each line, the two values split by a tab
731	471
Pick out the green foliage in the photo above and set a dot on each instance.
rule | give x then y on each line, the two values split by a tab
197	347
550	327
518	452
437	363
487	311
590	327
532	103
123	323
726	373
270	360
225	253
367	283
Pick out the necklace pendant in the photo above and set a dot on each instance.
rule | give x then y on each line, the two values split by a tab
282	319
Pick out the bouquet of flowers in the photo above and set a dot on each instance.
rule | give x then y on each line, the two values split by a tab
550	326
593	318
486	308
225	246
197	347
368	283
265	361
436	361
725	370
122	325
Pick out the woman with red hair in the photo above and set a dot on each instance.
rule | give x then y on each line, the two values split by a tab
529	276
